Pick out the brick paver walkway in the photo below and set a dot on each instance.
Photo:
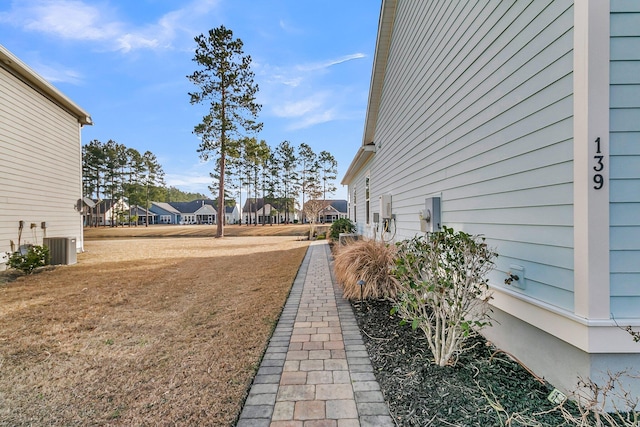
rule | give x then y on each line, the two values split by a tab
316	371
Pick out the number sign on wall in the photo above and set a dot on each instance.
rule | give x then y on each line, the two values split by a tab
598	177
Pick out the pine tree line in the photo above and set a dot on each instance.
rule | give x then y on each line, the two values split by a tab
112	171
288	176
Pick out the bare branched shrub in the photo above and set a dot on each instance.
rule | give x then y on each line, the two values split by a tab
370	261
586	406
505	417
444	288
592	400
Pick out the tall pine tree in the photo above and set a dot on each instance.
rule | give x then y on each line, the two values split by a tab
225	81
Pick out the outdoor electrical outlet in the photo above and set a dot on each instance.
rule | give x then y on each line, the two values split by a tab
556	397
516	274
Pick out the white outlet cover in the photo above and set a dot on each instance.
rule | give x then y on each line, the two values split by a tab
556	397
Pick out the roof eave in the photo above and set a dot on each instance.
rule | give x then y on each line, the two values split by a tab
383	43
361	158
11	62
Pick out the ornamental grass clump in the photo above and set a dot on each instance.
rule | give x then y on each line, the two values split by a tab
370	261
444	288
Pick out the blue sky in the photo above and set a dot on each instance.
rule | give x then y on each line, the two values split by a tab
125	62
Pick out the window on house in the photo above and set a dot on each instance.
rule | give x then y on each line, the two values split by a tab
354	207
366	199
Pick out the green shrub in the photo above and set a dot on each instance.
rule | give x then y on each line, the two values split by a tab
342	225
444	288
370	261
35	256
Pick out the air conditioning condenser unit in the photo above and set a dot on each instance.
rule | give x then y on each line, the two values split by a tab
62	250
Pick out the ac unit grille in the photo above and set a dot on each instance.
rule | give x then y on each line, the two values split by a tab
62	250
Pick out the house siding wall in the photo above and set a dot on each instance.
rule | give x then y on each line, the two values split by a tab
40	166
477	107
359	210
625	158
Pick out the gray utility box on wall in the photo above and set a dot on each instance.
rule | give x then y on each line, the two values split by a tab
432	215
62	250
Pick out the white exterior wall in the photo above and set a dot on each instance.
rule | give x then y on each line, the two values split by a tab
495	107
358	185
486	124
625	159
40	166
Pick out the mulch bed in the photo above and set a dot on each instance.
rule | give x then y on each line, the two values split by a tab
480	390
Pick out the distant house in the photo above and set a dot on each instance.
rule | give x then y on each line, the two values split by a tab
206	214
165	213
195	212
40	159
140	215
201	211
107	212
267	211
519	121
231	214
328	211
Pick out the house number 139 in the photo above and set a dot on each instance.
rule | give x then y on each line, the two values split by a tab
598	178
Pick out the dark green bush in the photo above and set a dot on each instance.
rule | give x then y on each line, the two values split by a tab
35	256
445	290
342	225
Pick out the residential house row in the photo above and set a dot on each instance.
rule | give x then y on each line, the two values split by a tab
261	211
117	212
255	211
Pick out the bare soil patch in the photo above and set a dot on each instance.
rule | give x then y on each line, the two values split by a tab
142	331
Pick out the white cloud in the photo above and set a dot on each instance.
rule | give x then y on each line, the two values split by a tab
318	66
313	119
191	181
307	112
82	20
196	179
289	28
68	19
299	108
300	100
56	73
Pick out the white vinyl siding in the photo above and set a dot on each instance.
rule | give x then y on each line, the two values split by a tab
359	209
40	165
625	159
477	107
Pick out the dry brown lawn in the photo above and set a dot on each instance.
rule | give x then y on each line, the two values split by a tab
155	331
198	231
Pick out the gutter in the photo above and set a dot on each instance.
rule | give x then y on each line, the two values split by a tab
364	154
19	69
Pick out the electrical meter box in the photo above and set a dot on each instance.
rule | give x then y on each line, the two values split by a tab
431	215
385	206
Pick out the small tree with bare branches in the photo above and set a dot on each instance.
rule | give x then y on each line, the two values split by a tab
444	288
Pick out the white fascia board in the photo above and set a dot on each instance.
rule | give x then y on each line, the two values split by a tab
361	158
19	68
